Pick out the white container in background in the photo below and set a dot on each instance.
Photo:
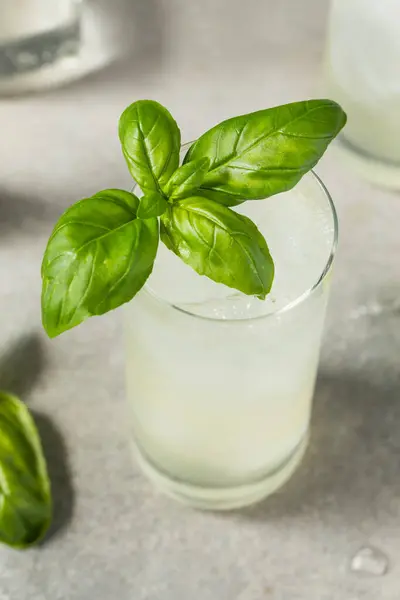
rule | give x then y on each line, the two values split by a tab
21	19
362	73
37	38
44	43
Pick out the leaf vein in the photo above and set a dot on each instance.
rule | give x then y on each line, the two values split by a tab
91	277
122	277
254	143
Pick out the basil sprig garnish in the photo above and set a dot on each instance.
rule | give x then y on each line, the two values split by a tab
266	152
98	257
219	243
103	248
25	495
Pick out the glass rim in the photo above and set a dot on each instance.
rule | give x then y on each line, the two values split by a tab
290	305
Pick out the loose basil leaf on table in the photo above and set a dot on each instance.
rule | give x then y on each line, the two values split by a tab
98	257
150	140
266	152
219	243
187	178
25	495
151	205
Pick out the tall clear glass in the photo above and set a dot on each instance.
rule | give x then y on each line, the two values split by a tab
362	73
220	384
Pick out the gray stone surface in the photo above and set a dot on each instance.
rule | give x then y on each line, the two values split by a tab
114	536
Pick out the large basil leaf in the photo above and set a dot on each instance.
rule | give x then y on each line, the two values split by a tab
98	257
150	140
217	242
25	495
151	205
267	152
185	181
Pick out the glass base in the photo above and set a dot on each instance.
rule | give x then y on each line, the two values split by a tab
222	498
384	174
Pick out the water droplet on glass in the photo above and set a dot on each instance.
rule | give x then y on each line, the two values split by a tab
371	561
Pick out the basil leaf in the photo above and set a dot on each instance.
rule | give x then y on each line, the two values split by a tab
98	257
150	140
187	178
25	495
217	242
151	205
266	152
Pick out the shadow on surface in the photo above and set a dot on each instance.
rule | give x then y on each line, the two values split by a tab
56	456
18	212
354	456
21	365
20	369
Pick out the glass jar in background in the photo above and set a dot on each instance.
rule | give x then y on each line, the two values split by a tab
44	43
220	384
362	73
36	37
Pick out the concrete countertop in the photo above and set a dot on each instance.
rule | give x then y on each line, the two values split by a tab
113	535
